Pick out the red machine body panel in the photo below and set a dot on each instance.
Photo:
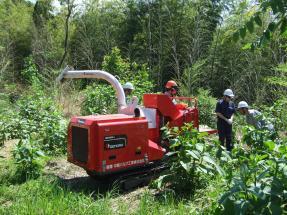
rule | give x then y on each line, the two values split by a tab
175	114
163	103
110	143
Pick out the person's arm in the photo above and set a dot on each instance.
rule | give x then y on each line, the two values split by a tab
258	119
133	104
220	115
230	121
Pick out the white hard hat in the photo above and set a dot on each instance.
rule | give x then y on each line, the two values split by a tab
228	92
128	86
242	104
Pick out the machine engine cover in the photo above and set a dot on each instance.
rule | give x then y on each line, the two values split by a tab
108	143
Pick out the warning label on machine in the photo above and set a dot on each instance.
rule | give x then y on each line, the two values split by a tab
125	164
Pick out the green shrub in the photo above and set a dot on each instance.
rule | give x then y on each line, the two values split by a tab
6	112
255	138
44	118
139	77
9	124
277	114
192	160
54	137
30	71
206	105
100	99
127	71
28	157
258	181
38	114
116	65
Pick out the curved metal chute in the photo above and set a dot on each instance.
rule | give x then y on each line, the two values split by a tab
67	73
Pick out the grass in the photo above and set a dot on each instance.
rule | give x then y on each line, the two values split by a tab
51	195
150	204
47	195
4	102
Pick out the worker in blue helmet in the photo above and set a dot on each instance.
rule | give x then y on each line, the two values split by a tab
225	110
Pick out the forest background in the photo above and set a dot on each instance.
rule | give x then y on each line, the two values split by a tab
189	41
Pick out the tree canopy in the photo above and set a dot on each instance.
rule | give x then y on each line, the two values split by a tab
188	40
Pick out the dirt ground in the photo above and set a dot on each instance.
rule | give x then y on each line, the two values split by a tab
78	180
7	148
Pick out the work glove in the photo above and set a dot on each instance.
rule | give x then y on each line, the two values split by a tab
135	99
229	121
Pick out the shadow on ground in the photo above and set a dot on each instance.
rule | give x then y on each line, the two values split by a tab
98	188
75	179
88	185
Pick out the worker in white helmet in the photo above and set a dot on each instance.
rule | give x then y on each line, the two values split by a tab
225	109
254	117
133	102
128	88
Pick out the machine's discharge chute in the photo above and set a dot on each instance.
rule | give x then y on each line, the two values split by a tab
67	73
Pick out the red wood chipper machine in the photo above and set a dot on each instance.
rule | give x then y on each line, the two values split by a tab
127	143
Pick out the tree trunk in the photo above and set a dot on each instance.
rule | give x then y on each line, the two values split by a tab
70	9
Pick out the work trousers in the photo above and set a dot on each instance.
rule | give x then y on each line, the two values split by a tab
225	134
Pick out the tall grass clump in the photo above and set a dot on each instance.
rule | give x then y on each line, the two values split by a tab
47	195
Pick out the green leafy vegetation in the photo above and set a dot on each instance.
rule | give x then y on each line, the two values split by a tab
259	181
30	72
191	158
28	157
36	114
275	112
205	45
253	176
101	98
276	22
206	104
47	195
